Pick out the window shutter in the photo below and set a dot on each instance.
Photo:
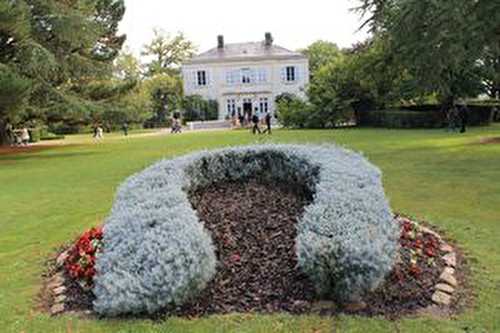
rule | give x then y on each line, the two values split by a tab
194	79
297	73
283	74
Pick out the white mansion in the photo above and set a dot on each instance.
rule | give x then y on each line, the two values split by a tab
245	78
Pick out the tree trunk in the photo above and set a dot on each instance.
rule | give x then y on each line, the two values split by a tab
4	140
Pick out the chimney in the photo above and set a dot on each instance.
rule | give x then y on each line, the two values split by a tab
269	39
220	42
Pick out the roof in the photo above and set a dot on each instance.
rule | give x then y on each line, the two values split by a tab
245	51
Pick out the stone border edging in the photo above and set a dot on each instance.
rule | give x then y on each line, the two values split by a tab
448	283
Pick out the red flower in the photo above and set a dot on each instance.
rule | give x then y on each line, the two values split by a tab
80	264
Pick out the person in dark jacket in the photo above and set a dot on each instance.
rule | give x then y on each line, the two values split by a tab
267	120
463	112
255	121
125	128
241	119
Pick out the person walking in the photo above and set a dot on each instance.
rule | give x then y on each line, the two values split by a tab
125	128
268	120
255	121
99	133
463	113
452	117
241	118
176	124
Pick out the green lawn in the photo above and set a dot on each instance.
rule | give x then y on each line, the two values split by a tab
50	196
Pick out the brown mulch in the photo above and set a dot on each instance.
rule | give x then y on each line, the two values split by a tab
489	141
254	229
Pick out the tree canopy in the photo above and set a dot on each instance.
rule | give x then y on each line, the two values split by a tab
449	47
167	52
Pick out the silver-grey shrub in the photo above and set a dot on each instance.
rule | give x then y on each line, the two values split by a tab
158	254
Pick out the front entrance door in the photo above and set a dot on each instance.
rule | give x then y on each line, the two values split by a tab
247	109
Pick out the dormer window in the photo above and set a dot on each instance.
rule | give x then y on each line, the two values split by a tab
201	78
290	74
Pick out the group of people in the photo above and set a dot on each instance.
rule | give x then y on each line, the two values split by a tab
265	119
17	137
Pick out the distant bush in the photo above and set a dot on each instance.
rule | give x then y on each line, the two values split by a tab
157	254
34	135
195	108
293	112
405	119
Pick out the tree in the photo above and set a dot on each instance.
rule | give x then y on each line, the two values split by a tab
165	92
59	47
14	91
127	67
167	52
293	112
329	96
321	53
441	43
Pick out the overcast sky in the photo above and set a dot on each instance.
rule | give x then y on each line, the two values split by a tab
293	23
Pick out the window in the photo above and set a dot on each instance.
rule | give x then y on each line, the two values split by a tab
290	74
232	77
262	75
246	75
201	78
231	107
264	104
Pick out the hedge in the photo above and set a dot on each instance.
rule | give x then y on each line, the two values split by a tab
157	253
424	116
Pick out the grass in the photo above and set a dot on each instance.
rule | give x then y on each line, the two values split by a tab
48	197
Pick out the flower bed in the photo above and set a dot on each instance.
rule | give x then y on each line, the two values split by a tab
346	241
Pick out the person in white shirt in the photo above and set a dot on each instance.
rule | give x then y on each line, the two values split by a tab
25	136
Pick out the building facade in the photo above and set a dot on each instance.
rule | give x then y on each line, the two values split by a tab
246	78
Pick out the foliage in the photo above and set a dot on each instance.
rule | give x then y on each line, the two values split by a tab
331	102
58	47
167	52
293	112
127	67
170	257
321	53
196	108
165	93
406	119
80	263
425	116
